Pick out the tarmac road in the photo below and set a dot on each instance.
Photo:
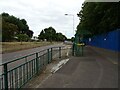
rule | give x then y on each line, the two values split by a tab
10	56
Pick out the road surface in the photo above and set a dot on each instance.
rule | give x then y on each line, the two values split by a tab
13	55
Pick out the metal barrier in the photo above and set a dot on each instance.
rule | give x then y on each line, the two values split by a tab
78	49
18	72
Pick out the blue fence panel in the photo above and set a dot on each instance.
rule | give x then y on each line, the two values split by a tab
109	41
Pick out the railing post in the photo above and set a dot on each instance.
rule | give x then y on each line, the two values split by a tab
37	63
26	67
73	49
5	77
48	56
59	52
51	54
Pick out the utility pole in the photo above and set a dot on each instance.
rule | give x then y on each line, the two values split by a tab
73	20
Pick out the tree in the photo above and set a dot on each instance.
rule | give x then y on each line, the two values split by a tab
98	17
42	35
72	39
60	37
47	33
5	14
22	37
9	31
51	35
12	26
29	33
25	28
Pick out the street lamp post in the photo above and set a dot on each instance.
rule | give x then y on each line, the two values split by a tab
73	30
73	20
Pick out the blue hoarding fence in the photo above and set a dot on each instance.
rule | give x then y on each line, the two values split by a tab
110	40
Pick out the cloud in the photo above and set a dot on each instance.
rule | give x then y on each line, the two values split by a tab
41	14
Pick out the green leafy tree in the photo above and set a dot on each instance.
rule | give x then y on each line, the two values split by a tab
9	31
51	35
48	33
99	17
22	37
12	26
72	39
30	33
42	35
60	37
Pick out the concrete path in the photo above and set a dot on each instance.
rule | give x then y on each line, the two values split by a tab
93	70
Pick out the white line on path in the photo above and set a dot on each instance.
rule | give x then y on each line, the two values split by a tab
53	70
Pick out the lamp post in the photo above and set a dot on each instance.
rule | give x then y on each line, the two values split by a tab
73	30
73	20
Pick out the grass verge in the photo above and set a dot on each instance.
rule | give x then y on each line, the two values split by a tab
16	46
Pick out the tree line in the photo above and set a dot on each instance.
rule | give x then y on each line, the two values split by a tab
50	34
99	17
14	28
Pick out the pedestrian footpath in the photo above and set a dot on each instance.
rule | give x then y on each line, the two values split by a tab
92	70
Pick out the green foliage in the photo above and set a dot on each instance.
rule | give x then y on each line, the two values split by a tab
12	26
51	35
22	37
29	33
9	31
60	37
42	35
98	17
72	39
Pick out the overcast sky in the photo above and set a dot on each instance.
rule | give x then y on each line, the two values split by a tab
41	14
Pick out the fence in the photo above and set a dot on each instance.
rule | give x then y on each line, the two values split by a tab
18	72
109	41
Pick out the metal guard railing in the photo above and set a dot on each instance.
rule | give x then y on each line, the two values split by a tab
18	72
